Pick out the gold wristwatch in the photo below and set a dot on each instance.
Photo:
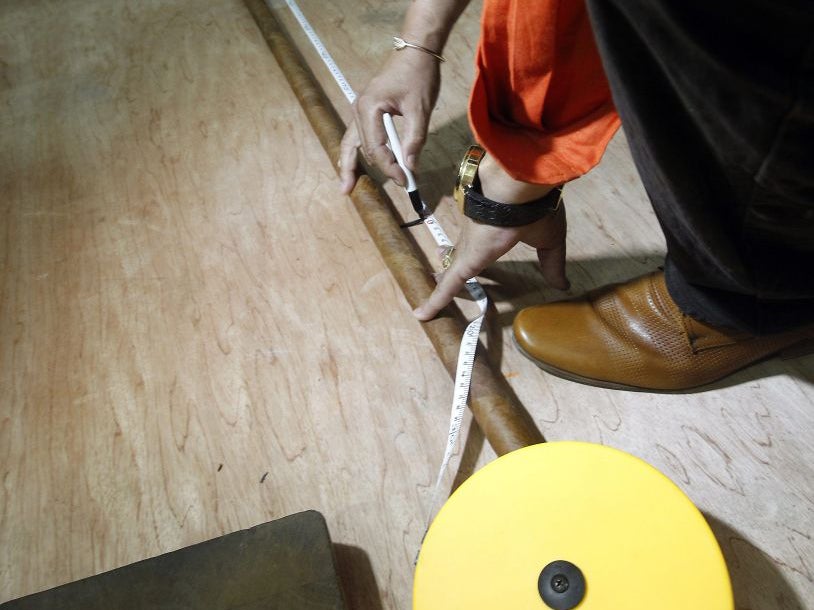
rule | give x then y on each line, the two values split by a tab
482	209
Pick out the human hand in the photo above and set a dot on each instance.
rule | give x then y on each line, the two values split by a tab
480	245
407	85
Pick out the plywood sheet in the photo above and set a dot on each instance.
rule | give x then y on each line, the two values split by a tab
197	336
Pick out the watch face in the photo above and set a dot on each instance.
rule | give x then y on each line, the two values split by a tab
467	172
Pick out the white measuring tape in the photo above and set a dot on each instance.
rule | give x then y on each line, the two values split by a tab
469	341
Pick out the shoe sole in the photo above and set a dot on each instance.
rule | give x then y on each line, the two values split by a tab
797	350
610	385
598	383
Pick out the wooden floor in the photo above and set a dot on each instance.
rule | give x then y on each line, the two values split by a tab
197	335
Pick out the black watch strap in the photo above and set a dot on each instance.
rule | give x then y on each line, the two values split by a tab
479	208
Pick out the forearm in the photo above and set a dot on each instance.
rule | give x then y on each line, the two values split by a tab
429	22
406	85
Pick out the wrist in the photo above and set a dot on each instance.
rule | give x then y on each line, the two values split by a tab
429	22
428	40
498	185
515	208
399	44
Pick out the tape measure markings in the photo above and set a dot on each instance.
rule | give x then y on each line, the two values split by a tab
469	341
340	79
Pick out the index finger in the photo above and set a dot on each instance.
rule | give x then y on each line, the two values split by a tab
451	283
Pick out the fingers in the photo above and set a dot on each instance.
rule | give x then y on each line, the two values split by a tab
347	162
481	245
450	284
374	140
552	266
551	250
416	124
467	261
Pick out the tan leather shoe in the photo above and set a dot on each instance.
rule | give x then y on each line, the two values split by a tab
633	336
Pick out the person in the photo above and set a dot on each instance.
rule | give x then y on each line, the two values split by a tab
717	102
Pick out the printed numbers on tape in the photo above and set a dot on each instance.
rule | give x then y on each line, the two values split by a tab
469	341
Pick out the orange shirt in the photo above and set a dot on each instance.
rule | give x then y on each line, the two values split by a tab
540	103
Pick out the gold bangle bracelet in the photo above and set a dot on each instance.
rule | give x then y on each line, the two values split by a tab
400	43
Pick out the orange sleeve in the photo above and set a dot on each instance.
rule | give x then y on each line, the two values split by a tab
540	103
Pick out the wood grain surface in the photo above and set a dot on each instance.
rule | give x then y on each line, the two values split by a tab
197	334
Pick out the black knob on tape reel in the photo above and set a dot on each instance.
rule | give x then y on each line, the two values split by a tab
561	585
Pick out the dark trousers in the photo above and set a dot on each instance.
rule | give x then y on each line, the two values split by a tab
717	101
